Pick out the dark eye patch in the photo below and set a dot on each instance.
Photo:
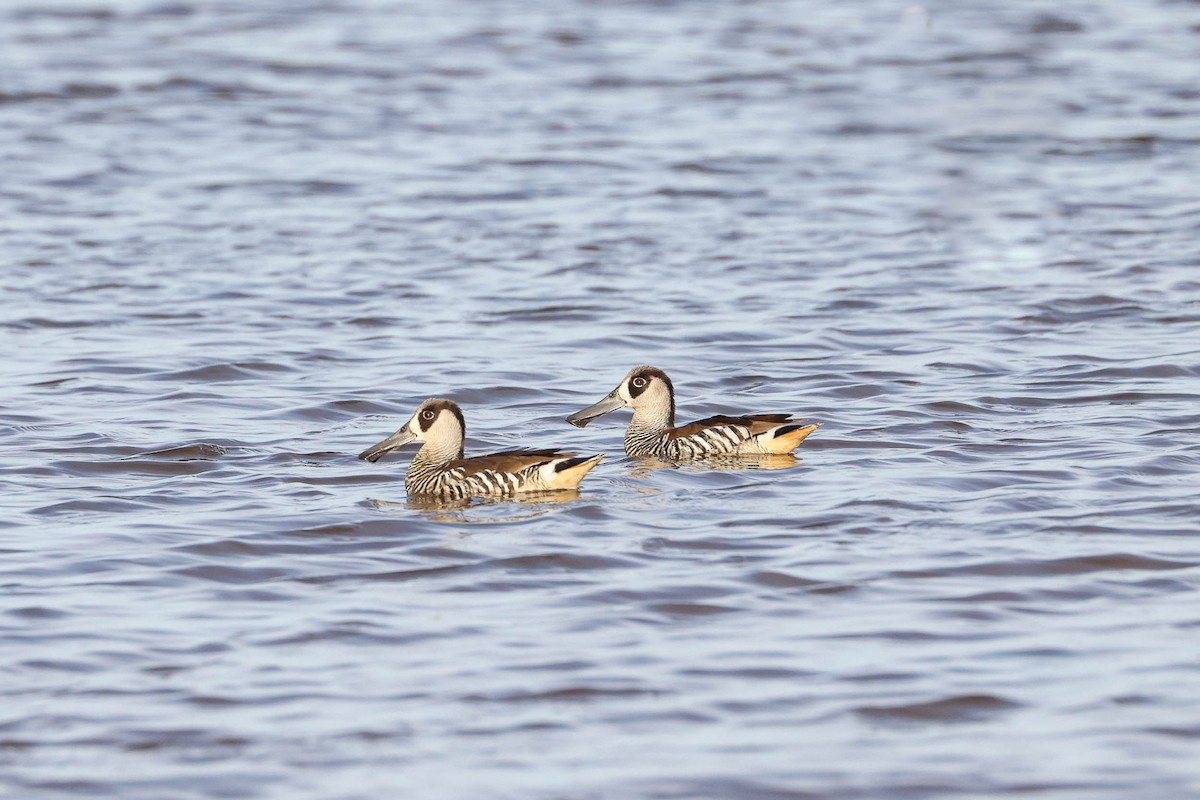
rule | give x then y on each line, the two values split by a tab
650	375
434	409
638	384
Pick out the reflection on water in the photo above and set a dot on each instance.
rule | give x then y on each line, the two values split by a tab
240	239
643	465
480	509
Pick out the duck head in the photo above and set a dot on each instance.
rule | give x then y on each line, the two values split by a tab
647	390
438	424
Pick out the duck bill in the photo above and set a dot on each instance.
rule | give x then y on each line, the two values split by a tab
378	451
610	403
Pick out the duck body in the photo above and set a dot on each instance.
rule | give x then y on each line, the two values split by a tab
499	474
652	431
439	468
752	435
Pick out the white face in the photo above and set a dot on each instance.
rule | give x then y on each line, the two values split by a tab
641	389
424	416
629	386
436	421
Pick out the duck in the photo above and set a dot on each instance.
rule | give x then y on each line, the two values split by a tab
440	470
652	432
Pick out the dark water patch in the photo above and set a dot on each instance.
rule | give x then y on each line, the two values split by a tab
216	573
358	634
167	10
614	82
240	548
104	504
361	530
222	373
723	788
991	144
252	596
360	410
134	466
282	188
36	613
31	323
869	129
1148	372
213	701
499	731
782	580
704	194
1060	399
625	597
727	165
881	677
920	637
38	665
390	478
327	69
683	611
1082	565
554	562
752	673
71	91
63	12
565	163
564	666
468	198
567	694
555	313
230	294
201	451
373	322
660	544
1053	23
150	740
1035	653
185	85
547	563
956	709
1182	732
1132	147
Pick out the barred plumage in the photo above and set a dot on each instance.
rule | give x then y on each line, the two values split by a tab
652	432
439	468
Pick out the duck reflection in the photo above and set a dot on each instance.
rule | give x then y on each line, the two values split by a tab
645	465
481	510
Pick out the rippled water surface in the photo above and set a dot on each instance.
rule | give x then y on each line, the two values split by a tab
240	241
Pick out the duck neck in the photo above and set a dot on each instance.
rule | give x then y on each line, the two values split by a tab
437	455
654	418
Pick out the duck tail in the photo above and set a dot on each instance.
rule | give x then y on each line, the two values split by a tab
570	471
788	437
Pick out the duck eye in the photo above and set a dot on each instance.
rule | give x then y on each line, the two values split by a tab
639	382
426	415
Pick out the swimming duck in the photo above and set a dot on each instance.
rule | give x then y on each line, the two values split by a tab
439	468
652	432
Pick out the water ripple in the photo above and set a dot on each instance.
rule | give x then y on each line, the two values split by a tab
244	240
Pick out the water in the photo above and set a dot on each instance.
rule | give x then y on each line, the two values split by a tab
241	241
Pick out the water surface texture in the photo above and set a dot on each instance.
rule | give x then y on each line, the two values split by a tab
240	241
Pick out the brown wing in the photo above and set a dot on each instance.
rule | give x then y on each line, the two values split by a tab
508	461
757	423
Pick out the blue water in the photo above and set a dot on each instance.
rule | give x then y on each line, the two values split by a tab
241	241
